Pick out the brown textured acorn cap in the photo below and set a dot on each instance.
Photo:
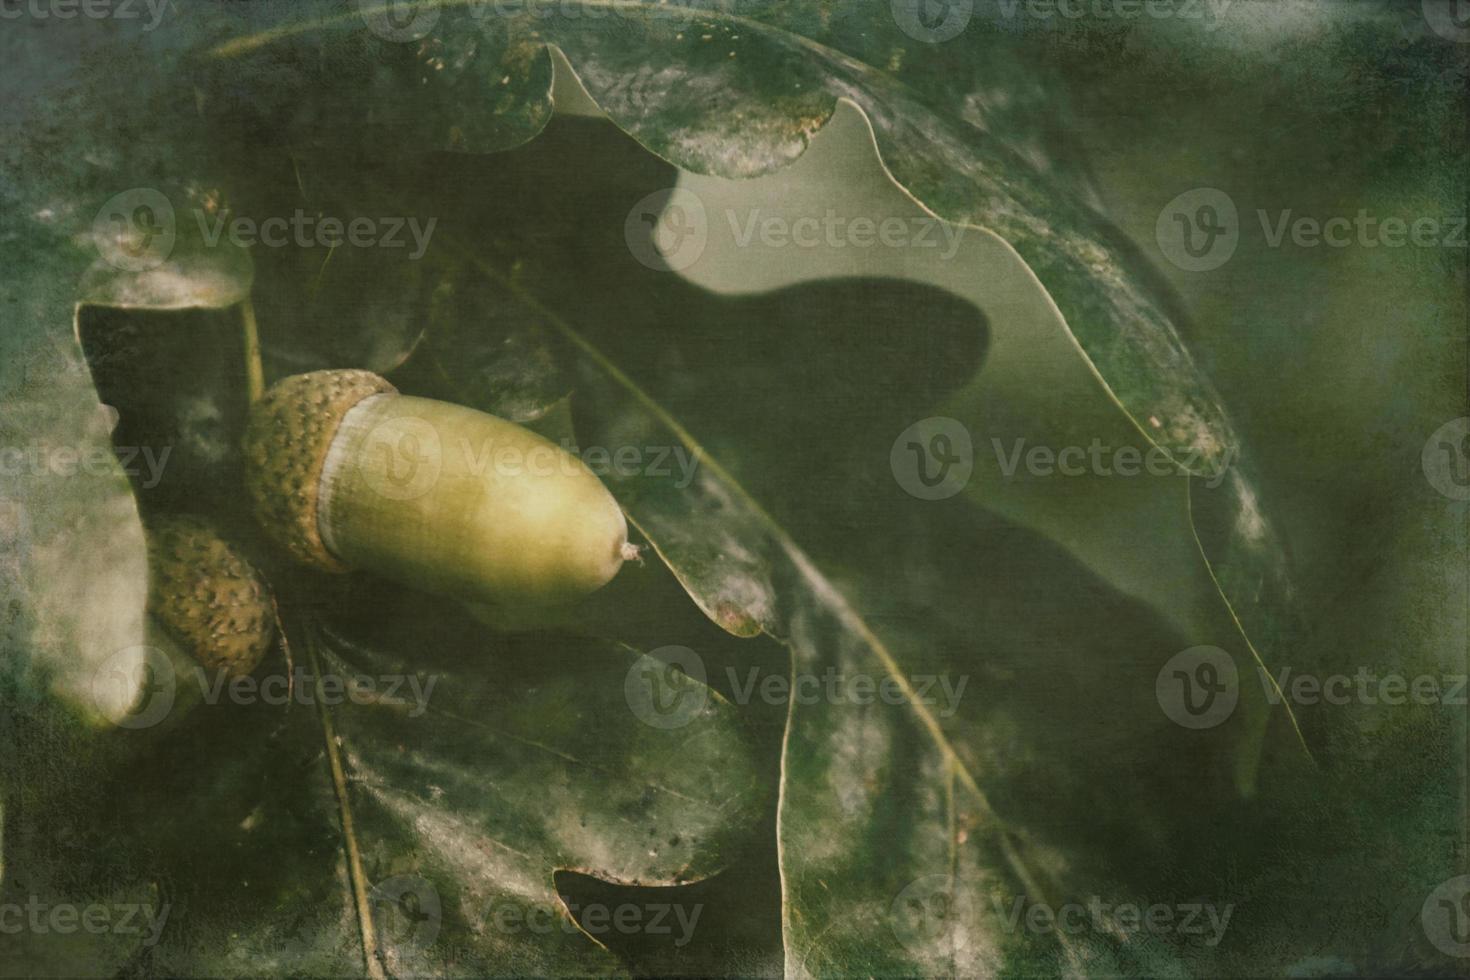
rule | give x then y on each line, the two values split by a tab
207	595
286	442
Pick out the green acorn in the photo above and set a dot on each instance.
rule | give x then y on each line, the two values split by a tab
345	473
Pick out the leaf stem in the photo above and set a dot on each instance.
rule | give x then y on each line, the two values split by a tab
372	955
254	371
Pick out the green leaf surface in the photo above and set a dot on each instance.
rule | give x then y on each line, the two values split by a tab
896	861
473	770
326	300
491	350
734	95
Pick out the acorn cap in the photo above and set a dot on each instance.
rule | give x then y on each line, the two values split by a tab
207	595
286	442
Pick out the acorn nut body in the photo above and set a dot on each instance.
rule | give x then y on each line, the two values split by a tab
345	473
207	595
